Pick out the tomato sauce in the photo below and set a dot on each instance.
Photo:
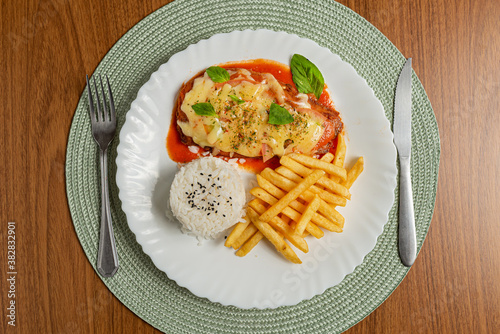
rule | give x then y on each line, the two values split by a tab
280	71
179	152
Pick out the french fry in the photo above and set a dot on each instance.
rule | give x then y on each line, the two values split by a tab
285	218
329	211
303	171
318	164
299	207
295	192
354	172
340	151
281	226
339	156
236	232
244	236
250	244
286	184
307	215
301	197
312	228
333	199
270	187
295	200
288	211
326	223
316	232
274	237
270	199
327	157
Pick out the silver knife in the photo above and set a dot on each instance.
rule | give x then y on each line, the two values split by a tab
402	139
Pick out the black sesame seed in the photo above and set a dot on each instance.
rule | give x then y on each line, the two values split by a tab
208	214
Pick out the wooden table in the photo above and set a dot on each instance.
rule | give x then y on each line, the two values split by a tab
47	48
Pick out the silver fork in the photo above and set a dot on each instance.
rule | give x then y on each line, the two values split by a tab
103	130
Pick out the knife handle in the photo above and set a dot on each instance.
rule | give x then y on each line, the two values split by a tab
407	234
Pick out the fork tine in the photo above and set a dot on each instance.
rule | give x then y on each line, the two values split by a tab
105	110
111	102
91	101
99	114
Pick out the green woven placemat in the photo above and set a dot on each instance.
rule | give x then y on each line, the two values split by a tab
146	290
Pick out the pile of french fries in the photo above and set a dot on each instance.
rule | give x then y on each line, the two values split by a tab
295	200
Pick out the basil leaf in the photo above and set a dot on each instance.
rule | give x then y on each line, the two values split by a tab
204	109
236	99
306	76
279	115
218	74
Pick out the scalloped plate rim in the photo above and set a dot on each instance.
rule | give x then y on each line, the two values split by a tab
147	243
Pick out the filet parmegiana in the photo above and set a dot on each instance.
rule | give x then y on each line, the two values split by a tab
239	125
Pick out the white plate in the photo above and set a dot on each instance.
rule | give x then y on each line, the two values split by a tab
262	279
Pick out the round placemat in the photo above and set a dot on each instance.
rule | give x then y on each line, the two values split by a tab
146	290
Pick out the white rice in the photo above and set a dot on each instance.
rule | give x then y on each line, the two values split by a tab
207	197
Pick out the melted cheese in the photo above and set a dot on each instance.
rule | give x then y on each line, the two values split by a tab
243	128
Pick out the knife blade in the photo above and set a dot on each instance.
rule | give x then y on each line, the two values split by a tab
407	242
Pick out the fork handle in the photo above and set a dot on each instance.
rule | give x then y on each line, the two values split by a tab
107	256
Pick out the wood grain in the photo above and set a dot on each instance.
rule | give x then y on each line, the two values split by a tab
49	45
